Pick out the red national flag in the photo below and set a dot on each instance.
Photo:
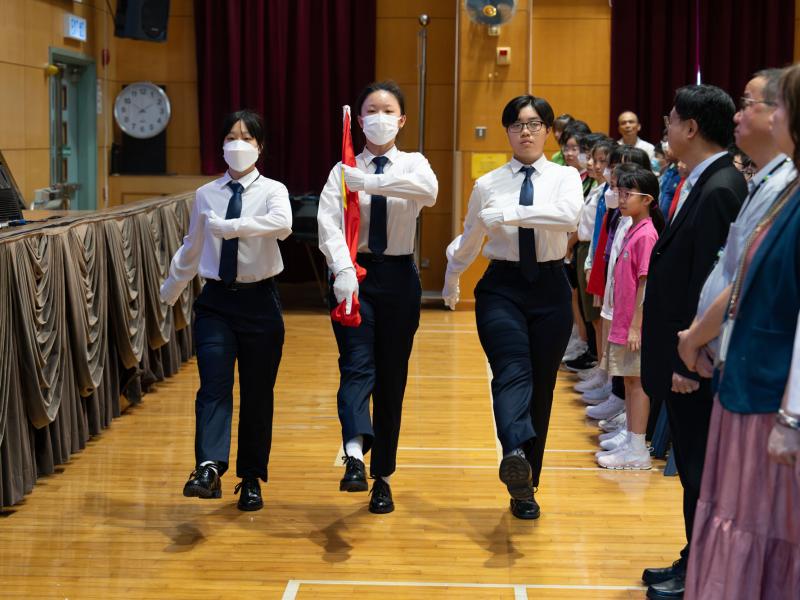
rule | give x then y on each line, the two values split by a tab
351	219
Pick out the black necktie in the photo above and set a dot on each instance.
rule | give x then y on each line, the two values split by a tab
377	215
527	239
228	258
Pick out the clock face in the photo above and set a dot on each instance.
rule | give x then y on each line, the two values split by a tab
142	110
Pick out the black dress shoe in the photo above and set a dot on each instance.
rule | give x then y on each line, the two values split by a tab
355	476
515	472
668	590
250	498
381	501
525	509
651	576
203	483
585	361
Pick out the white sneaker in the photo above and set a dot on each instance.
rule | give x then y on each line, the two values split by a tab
610	434
616	441
628	459
620	448
597	395
606	410
575	350
614	423
588	374
598	380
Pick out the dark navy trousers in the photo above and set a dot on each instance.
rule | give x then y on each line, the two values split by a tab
244	326
373	358
524	328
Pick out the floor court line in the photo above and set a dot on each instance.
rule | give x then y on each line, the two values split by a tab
520	589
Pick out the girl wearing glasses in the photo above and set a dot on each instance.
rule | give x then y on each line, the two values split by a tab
637	190
522	303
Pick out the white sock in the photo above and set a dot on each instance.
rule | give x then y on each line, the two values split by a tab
355	447
213	465
386	478
638	442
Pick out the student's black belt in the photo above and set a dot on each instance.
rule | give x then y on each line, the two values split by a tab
239	285
368	257
548	264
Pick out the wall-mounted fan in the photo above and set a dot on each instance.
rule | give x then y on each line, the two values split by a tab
491	13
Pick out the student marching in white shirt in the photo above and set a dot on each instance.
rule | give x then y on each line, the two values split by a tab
523	309
235	223
393	188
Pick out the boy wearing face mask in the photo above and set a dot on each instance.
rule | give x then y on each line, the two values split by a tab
393	188
235	223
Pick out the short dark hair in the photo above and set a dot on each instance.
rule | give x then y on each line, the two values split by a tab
575	129
772	84
631	176
251	119
540	105
606	145
711	108
387	86
562	121
587	142
624	154
659	149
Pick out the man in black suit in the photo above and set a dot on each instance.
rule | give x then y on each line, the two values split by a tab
699	129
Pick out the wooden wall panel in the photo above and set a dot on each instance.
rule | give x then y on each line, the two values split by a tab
29	28
797	31
396	58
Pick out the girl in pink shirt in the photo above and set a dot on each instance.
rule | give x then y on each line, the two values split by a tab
638	191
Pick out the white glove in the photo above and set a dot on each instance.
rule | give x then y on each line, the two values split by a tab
451	292
345	284
354	178
221	228
491	217
170	291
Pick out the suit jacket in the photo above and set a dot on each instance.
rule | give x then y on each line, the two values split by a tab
762	341
679	264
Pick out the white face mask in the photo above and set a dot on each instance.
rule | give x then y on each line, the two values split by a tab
240	155
381	128
607	175
612	198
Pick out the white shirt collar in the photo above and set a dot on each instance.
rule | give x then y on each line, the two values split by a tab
245	181
391	154
539	165
698	170
766	170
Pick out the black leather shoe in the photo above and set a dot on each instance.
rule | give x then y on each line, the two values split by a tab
203	483
667	590
515	472
651	576
251	494
525	509
381	501
355	475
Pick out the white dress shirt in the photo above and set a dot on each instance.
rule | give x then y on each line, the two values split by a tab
557	202
642	145
624	224
407	182
589	214
691	180
266	217
764	189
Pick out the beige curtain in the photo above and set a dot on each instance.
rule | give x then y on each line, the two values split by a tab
81	324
